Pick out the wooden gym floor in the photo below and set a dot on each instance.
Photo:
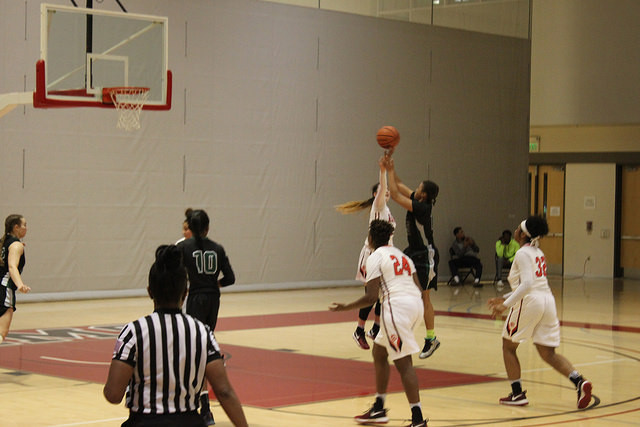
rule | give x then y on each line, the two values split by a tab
294	363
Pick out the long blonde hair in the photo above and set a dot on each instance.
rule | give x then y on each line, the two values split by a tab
357	205
11	221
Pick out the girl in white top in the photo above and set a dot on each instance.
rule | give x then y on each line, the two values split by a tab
392	279
532	314
379	210
186	233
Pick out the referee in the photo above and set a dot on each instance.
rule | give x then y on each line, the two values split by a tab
161	360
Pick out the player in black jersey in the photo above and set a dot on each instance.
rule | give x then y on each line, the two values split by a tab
205	260
11	265
419	204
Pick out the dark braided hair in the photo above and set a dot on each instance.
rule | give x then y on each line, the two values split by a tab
380	232
199	224
167	276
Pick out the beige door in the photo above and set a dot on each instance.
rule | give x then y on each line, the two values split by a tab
533	185
547	199
630	227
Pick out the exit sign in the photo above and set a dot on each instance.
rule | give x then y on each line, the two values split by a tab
534	144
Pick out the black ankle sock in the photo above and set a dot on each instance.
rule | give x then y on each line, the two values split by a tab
359	330
375	328
516	388
204	403
576	381
416	415
378	405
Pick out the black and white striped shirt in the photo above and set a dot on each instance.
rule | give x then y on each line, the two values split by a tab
169	351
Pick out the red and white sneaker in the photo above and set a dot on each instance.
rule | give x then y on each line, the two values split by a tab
517	400
372	416
361	340
584	393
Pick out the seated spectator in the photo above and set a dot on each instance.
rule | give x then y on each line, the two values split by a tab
464	254
506	248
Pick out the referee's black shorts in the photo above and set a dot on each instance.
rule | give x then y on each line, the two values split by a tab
183	419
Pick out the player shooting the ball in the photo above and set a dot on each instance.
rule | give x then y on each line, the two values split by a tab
419	204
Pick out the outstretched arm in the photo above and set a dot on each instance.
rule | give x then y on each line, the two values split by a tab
380	201
406	191
368	299
400	193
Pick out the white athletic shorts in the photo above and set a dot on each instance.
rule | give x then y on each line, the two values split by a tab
533	317
362	264
398	319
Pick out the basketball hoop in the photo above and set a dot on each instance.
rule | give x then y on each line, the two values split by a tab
128	102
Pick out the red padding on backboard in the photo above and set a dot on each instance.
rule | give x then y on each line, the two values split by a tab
40	99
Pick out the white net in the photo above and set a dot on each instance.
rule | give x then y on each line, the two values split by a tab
128	102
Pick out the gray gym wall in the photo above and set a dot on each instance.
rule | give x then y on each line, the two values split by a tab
275	110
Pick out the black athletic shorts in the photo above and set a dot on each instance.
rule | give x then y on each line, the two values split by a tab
204	306
7	296
420	259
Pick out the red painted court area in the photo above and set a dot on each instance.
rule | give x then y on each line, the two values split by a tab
263	378
272	378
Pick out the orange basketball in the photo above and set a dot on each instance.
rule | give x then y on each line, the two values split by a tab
388	137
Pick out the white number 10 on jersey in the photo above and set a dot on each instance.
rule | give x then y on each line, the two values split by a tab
206	262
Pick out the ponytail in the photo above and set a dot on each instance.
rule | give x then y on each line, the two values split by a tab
10	222
432	189
358	205
198	224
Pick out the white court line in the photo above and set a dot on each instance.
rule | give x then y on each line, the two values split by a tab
83	423
576	365
81	362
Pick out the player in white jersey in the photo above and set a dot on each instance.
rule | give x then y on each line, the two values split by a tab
391	278
379	210
532	315
186	233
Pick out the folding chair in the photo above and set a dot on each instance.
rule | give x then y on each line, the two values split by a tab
502	274
463	273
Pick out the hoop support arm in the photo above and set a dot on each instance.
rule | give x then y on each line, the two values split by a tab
9	101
